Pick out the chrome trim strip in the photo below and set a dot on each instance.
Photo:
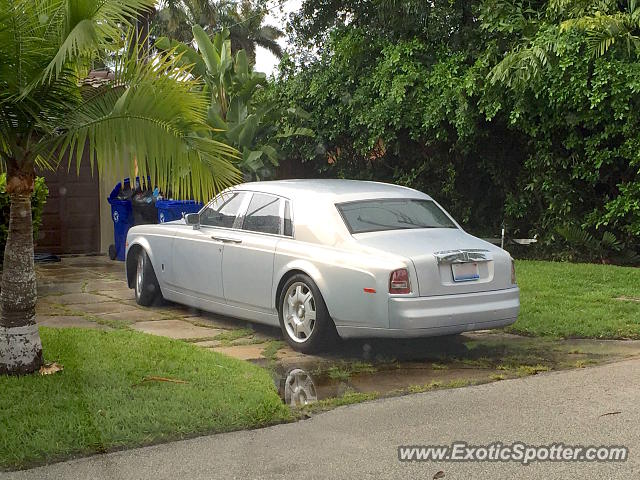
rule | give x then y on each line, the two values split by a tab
462	256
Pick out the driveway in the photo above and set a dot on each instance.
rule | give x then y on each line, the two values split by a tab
91	292
594	406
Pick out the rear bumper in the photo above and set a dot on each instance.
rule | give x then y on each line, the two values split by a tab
469	311
444	315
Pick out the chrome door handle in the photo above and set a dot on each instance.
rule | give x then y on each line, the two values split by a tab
226	239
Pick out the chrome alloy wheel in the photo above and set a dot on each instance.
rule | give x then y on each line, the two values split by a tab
299	312
140	275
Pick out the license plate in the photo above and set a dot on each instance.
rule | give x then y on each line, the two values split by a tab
465	272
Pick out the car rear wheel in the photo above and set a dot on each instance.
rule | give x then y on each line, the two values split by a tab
146	284
304	318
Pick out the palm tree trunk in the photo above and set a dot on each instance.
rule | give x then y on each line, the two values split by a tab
20	346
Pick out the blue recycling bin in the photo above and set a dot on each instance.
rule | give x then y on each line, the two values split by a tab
122	216
170	210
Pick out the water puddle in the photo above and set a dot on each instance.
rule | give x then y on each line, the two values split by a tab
383	368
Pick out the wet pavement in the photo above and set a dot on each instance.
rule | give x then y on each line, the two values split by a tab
91	292
389	368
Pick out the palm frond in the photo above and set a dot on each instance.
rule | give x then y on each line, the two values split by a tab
578	237
88	26
271	45
269	32
151	114
605	29
520	66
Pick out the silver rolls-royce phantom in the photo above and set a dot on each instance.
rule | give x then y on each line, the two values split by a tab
322	258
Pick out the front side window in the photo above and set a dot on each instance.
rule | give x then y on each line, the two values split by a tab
393	214
263	214
222	212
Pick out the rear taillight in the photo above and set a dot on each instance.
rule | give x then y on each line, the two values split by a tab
399	281
513	272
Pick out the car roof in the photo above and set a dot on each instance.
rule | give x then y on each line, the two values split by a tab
334	190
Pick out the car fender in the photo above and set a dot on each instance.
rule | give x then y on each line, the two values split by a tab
304	266
341	286
137	241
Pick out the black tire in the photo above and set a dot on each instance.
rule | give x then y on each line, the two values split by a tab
146	287
323	333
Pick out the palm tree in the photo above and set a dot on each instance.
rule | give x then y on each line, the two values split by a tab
174	18
244	20
246	29
152	112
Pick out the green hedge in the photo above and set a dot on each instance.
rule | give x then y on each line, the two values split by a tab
38	200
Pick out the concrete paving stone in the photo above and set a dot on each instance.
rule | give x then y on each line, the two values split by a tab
75	299
119	276
123	293
135	315
208	343
56	288
287	353
82	260
45	308
267	334
177	329
115	267
104	284
242	352
129	301
68	321
175	309
218	321
245	341
71	277
58	269
111	307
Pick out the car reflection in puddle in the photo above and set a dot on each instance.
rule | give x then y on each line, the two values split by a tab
298	389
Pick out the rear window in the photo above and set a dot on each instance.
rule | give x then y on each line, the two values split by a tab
392	214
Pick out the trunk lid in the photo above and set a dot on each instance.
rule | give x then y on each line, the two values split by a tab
436	252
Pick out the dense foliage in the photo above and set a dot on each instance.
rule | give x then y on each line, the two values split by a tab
518	112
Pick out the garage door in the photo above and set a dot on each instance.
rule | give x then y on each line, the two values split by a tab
71	219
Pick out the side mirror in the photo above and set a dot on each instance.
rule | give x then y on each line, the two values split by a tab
192	219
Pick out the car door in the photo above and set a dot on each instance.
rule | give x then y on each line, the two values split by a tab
247	266
197	252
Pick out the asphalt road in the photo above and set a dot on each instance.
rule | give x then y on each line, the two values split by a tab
361	441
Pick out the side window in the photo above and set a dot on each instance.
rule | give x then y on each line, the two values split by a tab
223	210
288	227
263	214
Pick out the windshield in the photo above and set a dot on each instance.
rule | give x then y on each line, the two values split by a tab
393	214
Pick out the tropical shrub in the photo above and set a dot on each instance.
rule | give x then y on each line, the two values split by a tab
235	113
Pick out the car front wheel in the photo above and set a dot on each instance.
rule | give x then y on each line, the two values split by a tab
146	285
304	318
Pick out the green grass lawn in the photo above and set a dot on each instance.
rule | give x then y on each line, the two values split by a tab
98	403
577	300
